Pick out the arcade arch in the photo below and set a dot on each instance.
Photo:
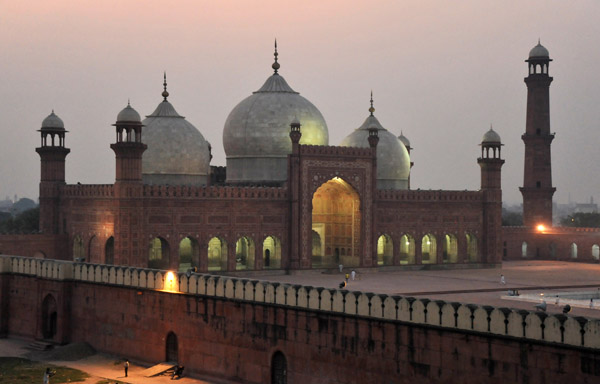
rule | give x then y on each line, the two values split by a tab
428	249
472	254
524	250
188	252
271	253
217	254
336	220
49	317
158	257
94	250
573	250
244	253
385	250
407	249
595	252
450	249
109	251
78	249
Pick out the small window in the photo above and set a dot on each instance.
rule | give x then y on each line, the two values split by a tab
538	131
538	184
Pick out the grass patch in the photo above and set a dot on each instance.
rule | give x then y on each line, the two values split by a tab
15	370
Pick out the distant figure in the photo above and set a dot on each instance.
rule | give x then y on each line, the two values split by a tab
567	309
353	274
341	267
502	280
126	366
541	306
592	302
47	375
178	372
347	276
342	285
557	300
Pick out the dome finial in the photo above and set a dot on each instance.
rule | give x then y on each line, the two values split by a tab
539	41
275	65
165	94
371	109
128	102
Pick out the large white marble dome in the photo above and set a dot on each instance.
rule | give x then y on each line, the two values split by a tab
393	160
177	152
256	133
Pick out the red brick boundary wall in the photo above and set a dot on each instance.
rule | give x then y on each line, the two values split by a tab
232	328
41	246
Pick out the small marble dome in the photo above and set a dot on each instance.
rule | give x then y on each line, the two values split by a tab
491	137
404	141
539	51
256	133
177	152
53	123
128	115
393	160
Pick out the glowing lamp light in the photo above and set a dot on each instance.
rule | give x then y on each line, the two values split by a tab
170	282
541	228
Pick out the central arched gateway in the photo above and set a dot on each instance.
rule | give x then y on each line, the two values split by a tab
336	218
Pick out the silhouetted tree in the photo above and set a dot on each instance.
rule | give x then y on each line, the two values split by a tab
25	222
511	218
580	219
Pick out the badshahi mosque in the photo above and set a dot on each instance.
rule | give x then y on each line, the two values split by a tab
287	199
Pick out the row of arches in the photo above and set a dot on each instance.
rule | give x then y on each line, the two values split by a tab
573	251
428	244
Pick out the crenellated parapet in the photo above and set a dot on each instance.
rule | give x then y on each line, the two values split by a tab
334	151
217	192
88	190
503	322
429	196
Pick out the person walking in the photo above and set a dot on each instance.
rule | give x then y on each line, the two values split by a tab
347	277
502	280
353	274
126	366
341	266
47	375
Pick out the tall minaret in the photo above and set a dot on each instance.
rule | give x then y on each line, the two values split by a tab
537	187
52	155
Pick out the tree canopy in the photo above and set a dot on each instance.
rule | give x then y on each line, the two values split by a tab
25	222
580	219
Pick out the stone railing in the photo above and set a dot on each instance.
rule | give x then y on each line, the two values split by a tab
568	330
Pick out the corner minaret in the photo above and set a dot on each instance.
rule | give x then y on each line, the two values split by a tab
491	165
129	147
52	155
537	187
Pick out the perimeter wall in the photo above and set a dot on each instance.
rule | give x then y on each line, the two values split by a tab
231	328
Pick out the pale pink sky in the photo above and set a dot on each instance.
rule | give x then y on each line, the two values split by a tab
441	72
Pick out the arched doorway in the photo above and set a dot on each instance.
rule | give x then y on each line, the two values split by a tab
336	219
428	249
450	249
158	257
109	251
385	250
407	249
472	254
188	252
49	317
94	250
244	253
217	254
524	250
573	250
595	252
78	249
278	368
552	251
271	253
172	348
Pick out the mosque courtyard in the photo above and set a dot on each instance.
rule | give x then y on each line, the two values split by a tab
531	278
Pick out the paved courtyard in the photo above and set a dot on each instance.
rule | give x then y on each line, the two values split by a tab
476	286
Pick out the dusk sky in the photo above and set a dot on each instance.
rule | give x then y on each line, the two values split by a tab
441	72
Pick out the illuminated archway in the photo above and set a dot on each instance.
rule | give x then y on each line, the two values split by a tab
244	253
385	250
450	249
188	253
109	251
336	220
217	254
271	253
78	249
595	252
472	250
428	249
407	249
158	255
49	317
524	250
573	248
